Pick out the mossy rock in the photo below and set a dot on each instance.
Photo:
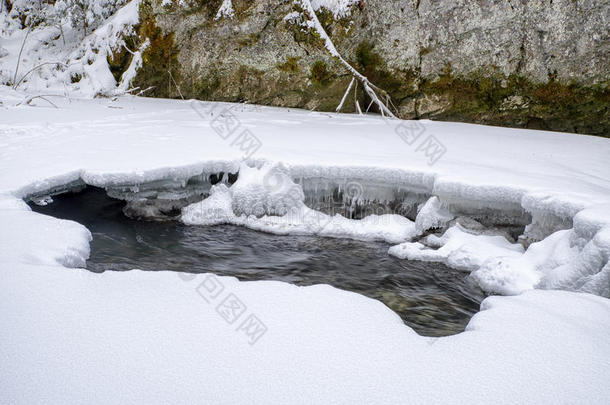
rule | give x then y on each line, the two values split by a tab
160	68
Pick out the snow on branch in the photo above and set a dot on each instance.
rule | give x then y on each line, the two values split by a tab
369	88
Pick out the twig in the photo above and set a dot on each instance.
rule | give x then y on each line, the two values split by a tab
42	96
175	84
20	51
145	90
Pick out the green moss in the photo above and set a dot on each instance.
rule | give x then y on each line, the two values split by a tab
329	97
291	65
246	40
398	84
209	8
301	34
242	8
487	96
205	86
159	59
319	73
424	50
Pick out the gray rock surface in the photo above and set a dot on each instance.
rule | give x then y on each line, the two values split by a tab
535	63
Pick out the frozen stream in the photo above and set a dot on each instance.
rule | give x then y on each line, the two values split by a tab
431	298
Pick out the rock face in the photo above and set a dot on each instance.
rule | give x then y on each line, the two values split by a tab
537	64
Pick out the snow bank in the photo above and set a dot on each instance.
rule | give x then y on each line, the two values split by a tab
131	330
575	259
52	242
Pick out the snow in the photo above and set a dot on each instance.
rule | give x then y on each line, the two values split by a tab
458	249
432	215
225	10
69	335
221	205
339	8
135	146
570	259
51	62
124	337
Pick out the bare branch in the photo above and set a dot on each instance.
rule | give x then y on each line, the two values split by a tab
145	90
34	68
175	84
369	88
19	57
345	95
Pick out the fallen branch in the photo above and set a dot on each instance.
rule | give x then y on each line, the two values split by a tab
369	87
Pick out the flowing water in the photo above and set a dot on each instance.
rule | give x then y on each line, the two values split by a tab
430	297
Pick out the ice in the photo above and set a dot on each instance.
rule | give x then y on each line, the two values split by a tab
457	248
163	199
266	199
265	191
574	259
432	215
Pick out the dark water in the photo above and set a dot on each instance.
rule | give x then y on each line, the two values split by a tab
431	298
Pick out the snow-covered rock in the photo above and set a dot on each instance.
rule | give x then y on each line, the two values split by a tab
432	215
458	248
576	259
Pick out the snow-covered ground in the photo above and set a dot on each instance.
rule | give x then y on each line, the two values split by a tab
69	335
